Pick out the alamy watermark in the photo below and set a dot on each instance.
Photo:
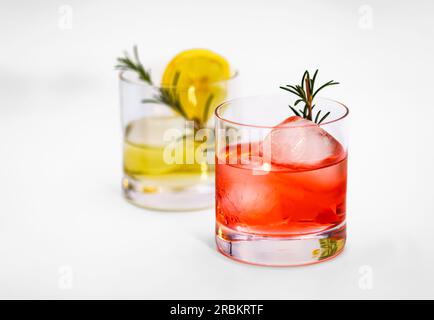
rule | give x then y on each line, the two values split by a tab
65	278
366	17
65	19
233	146
366	277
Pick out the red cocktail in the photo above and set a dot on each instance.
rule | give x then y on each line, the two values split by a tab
280	199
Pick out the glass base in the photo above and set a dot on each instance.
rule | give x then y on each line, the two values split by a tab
151	194
281	251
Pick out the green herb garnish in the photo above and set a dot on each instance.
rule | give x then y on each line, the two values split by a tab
306	93
169	97
166	96
126	63
329	247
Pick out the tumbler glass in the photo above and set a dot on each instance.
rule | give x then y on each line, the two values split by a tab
168	157
280	181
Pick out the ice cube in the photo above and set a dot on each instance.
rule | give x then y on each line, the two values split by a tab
301	144
155	131
243	203
245	199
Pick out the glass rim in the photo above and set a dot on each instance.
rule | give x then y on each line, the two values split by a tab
138	82
227	102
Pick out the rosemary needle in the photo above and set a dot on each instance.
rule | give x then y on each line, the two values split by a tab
306	93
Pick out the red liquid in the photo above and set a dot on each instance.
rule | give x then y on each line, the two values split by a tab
282	200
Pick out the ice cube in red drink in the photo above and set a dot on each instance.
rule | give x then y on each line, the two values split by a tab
300	143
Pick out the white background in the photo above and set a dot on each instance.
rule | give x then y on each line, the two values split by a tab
66	231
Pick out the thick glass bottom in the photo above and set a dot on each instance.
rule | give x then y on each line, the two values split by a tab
281	251
157	194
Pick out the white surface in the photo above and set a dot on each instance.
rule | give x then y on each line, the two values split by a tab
65	230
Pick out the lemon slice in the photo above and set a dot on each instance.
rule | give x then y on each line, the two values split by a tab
200	81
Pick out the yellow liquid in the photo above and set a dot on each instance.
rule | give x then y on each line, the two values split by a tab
158	163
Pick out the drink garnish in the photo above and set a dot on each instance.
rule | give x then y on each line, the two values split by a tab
306	93
201	80
188	92
134	64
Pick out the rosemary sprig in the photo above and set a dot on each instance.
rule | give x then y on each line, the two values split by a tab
207	106
169	97
126	63
166	96
306	93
